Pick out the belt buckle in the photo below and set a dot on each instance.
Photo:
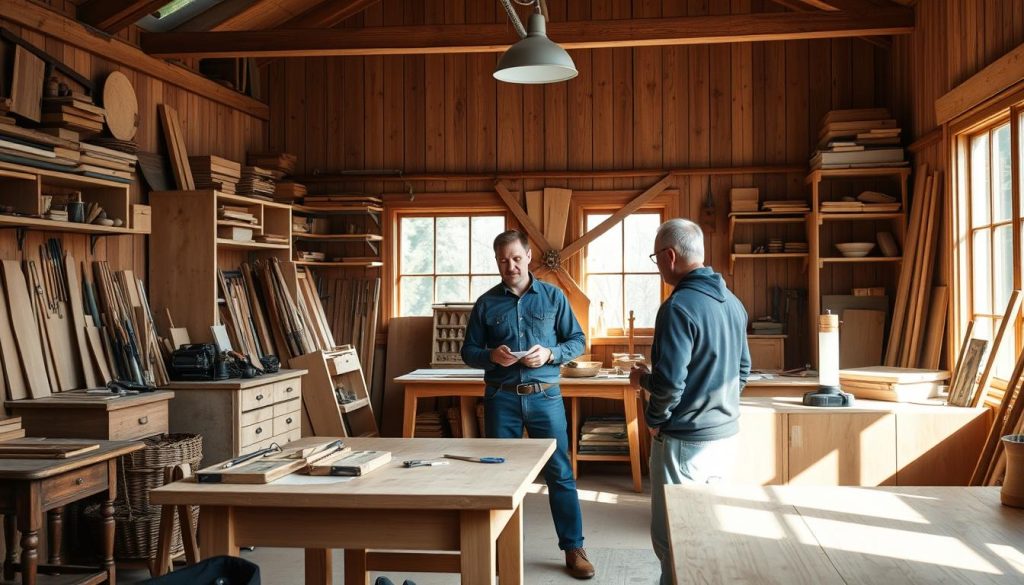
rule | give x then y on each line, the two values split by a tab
529	389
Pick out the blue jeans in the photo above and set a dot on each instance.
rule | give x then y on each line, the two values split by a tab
674	461
543	415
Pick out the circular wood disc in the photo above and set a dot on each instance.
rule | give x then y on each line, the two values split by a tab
121	106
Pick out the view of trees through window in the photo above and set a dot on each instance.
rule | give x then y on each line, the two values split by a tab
619	273
445	259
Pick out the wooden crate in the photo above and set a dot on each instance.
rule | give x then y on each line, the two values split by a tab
450	322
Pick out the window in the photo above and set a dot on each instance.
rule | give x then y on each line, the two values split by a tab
445	258
618	273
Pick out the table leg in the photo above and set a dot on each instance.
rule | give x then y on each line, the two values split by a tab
409	414
319	566
574	433
107	513
478	547
467	409
629	404
11	541
29	519
56	529
510	547
217	531
356	570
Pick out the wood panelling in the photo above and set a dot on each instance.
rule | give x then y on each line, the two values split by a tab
209	127
645	107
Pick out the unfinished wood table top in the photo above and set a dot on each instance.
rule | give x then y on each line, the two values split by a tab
460	485
797	535
79	400
31	469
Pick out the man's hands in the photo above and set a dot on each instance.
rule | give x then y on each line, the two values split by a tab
635	372
537	356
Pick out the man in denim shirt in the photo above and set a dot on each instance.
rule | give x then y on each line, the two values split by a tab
523	314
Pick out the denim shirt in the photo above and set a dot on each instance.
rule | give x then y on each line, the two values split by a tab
542	316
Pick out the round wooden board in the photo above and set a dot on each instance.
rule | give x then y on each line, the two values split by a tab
121	106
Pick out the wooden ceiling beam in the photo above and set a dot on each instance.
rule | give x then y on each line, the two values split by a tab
848	6
243	15
484	38
110	16
329	14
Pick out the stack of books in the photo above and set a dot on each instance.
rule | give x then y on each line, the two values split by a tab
604	435
278	164
766	326
271	239
775	245
214	172
73	113
256	182
307	256
858	138
334	201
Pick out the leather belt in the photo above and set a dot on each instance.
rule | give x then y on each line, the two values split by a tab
524	389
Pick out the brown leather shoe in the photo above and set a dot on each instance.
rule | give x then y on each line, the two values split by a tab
578	564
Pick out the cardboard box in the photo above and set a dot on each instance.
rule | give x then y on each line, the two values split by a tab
142	218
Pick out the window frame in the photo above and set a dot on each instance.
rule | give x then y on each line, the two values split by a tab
1005	108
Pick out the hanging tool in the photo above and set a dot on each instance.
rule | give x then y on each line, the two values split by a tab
476	459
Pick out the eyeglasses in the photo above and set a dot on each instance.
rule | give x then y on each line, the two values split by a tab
654	256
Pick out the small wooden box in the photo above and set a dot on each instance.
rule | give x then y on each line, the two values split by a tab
767	352
450	322
142	218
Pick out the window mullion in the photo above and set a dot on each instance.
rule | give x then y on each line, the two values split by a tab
1015	156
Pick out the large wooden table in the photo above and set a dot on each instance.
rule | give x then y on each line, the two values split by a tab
29	488
468	385
798	535
472	508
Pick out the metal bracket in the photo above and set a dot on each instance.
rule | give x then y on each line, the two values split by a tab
551	259
373	247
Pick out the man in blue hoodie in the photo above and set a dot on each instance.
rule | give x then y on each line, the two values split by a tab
699	365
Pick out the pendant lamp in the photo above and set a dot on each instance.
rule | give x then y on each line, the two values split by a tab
535	58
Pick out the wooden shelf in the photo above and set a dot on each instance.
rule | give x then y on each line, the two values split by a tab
341	264
50	225
767	216
860	216
765	256
226	243
338	237
354	405
249	200
866	259
337	210
899	172
235	223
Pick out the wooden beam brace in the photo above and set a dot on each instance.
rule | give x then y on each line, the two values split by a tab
329	14
489	38
848	6
524	220
110	16
39	18
997	76
616	217
242	15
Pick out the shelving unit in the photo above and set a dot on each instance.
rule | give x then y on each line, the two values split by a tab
186	253
341	236
326	415
827	229
450	322
752	218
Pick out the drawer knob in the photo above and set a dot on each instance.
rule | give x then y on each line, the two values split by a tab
288	420
143	420
259	397
79	481
259	430
289	389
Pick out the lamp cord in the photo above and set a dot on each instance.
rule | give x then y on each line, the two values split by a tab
513	17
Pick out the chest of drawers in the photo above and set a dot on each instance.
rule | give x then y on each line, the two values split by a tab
239	416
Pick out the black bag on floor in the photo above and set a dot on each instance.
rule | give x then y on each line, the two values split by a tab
213	571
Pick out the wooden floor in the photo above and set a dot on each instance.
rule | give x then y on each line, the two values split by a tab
616	523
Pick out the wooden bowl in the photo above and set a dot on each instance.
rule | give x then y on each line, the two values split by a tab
581	369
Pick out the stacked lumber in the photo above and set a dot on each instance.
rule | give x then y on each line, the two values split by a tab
858	138
892	384
786	206
72	113
125	146
604	435
334	201
107	161
287	191
133	346
352	306
236	213
288	319
1008	420
431	425
256	182
279	164
214	172
914	291
10	428
242	317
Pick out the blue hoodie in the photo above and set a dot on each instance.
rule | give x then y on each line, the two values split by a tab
700	360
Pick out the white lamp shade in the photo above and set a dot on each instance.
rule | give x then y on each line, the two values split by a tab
535	59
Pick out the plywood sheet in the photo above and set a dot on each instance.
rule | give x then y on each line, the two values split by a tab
860	338
409	344
17	387
29	344
27	84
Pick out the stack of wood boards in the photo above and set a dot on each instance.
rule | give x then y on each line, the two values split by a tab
1008	420
858	138
604	435
237	213
242	317
743	199
278	164
892	384
288	191
101	161
431	425
786	206
335	201
914	291
214	172
72	113
352	307
10	428
52	148
256	182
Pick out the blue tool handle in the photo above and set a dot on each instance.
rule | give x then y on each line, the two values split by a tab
492	460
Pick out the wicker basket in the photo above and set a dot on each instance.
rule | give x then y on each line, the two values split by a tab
138	521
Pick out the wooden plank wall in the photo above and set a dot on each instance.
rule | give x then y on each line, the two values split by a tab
650	107
208	128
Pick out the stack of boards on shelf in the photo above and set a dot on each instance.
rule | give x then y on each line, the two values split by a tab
10	428
330	457
892	384
214	172
858	138
61	329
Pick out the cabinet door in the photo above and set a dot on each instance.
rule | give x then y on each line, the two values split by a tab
761	453
842	448
766	354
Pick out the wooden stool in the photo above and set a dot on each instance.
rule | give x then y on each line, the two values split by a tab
162	563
